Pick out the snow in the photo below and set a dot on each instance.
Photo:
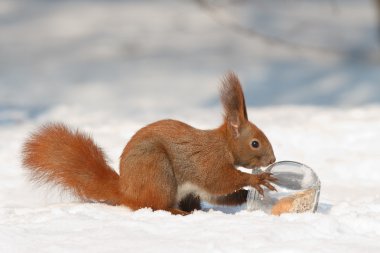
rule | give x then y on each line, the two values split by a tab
340	145
111	67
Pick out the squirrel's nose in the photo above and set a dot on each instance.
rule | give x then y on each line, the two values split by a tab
272	160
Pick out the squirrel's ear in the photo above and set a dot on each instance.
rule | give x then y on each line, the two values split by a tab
233	102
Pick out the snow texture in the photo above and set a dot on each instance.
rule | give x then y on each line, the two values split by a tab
111	67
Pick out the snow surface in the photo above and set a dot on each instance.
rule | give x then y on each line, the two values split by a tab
341	145
111	67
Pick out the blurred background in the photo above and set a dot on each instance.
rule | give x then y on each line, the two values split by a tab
310	71
140	56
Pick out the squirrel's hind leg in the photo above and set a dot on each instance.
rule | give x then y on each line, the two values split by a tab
148	180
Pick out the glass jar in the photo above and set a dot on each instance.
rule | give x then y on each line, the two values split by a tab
297	186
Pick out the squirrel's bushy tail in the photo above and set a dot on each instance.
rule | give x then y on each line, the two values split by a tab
57	155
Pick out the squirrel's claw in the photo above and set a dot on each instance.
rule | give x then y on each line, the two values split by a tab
264	179
267	176
269	186
259	189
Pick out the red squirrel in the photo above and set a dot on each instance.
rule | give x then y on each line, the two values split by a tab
167	165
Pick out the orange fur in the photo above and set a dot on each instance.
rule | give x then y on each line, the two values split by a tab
72	160
167	165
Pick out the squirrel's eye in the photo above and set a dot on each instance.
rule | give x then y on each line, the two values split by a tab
255	144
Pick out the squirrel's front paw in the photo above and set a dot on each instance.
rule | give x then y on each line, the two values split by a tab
263	179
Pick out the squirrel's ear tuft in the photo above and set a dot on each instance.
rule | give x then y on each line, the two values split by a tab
233	101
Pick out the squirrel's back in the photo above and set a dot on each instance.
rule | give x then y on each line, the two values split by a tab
190	150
